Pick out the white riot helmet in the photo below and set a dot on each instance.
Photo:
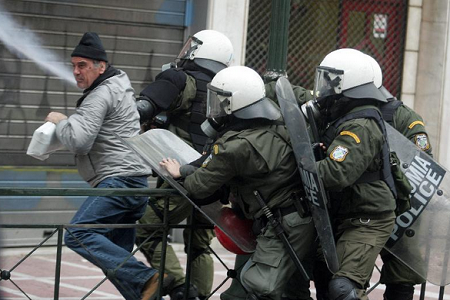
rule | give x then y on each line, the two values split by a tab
209	49
348	72
378	81
239	91
378	74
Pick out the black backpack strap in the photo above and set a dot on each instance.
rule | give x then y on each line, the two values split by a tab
388	110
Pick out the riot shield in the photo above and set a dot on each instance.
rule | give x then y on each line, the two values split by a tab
421	236
312	183
156	144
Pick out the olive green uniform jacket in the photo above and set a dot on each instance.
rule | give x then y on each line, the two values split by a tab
355	150
363	213
248	160
260	159
411	125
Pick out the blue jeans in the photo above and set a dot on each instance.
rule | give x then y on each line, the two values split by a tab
108	248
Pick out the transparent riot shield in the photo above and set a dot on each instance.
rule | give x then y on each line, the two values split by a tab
312	183
421	236
156	144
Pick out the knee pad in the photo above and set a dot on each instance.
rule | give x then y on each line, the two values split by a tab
342	288
399	292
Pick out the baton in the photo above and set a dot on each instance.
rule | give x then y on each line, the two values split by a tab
279	230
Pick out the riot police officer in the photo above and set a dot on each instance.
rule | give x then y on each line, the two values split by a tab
180	92
252	153
399	278
299	288
356	170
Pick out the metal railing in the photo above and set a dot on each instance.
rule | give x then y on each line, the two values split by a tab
165	227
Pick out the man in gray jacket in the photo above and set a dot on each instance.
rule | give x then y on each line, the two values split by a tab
106	108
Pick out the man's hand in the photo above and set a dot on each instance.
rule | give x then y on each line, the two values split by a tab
172	166
55	117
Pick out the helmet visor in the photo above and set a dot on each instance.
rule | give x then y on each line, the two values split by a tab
217	102
189	48
328	82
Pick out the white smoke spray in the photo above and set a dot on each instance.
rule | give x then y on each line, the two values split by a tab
24	42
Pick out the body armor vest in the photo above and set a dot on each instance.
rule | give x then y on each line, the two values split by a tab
198	111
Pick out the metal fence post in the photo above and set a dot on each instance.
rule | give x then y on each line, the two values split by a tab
191	225
58	261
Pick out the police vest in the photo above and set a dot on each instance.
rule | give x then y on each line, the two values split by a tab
198	111
385	173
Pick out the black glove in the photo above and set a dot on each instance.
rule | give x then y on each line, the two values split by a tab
318	151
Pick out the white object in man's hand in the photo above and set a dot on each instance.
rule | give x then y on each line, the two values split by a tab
44	142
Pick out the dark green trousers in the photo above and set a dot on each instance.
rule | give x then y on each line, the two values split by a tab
202	271
358	243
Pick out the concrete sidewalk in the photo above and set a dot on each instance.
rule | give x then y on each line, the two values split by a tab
36	275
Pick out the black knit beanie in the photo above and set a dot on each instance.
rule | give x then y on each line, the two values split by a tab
90	46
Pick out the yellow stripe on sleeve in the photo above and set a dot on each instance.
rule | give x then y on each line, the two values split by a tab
354	136
416	123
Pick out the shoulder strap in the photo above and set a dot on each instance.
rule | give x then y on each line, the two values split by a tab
385	173
388	110
331	131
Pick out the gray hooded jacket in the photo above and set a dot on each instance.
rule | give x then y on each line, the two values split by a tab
89	133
